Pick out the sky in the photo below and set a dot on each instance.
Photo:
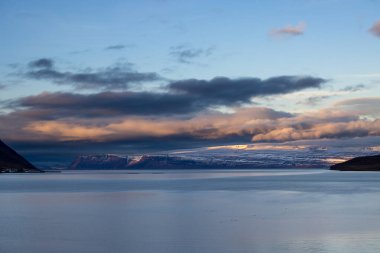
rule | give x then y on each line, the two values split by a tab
157	75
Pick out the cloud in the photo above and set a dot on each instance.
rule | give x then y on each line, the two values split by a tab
368	106
116	47
182	110
358	128
181	98
290	30
185	54
257	124
207	126
218	91
370	101
67	131
44	63
226	91
346	119
354	88
375	29
113	77
312	101
105	104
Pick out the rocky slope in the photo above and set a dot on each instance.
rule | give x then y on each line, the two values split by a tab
12	162
363	163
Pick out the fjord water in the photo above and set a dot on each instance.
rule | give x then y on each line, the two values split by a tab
190	211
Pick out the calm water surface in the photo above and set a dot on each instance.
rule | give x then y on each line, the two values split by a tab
263	211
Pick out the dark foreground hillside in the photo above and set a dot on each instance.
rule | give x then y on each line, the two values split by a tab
363	163
12	162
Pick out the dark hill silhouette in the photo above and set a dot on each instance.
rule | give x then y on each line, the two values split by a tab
363	163
11	161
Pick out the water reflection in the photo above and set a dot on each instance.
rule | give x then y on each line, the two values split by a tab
255	213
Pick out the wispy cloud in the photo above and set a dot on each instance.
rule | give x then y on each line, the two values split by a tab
375	29
118	76
116	47
186	54
364	106
314	100
44	63
290	30
353	88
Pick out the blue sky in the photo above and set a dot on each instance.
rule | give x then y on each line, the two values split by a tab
187	40
336	39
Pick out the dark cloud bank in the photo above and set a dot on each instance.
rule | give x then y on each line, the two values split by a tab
182	97
226	91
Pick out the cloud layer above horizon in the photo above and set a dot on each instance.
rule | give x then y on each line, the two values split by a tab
200	72
179	109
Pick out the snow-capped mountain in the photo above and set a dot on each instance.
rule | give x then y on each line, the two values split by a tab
238	156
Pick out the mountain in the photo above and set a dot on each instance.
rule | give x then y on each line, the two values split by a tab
11	161
97	162
224	157
257	160
115	162
363	163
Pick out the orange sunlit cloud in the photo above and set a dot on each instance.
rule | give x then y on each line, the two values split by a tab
261	124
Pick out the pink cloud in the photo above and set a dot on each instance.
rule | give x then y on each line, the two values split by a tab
375	29
290	30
